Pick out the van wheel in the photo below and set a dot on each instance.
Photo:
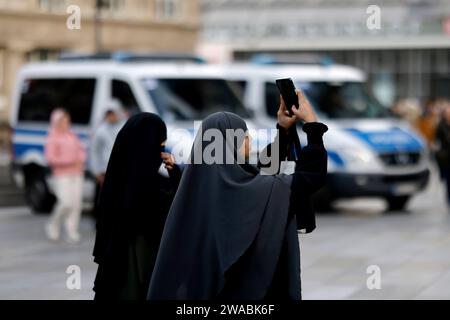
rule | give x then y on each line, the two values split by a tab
397	203
38	195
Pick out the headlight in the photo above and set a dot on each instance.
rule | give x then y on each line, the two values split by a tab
357	156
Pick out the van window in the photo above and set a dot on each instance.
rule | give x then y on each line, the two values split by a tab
191	99
335	100
272	99
40	96
239	87
121	90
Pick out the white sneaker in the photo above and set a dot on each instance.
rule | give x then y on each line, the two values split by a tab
73	238
52	232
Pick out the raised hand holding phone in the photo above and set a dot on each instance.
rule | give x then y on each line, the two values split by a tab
287	90
305	112
285	119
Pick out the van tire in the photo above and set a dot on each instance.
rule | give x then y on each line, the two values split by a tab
37	193
397	203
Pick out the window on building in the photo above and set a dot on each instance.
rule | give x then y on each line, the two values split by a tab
41	96
43	55
2	68
112	6
123	92
2	86
52	5
167	9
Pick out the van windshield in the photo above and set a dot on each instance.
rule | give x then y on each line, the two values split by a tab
336	100
192	99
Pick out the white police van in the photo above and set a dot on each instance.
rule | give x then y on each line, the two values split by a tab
370	152
179	91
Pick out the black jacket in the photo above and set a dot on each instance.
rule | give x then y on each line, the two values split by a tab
310	169
443	137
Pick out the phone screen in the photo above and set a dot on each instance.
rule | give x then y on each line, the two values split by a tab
287	91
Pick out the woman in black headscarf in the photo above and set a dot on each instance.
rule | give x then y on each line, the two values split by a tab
231	232
133	205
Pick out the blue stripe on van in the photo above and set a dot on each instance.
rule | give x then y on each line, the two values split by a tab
336	158
36	132
391	140
21	148
30	132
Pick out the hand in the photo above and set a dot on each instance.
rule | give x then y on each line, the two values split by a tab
168	159
100	179
284	119
305	112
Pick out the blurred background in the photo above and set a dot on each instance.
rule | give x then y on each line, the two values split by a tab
377	72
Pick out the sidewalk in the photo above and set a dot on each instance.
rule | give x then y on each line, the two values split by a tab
10	195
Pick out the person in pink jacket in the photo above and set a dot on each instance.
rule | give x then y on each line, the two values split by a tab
66	156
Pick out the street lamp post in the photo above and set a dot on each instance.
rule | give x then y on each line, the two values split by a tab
99	5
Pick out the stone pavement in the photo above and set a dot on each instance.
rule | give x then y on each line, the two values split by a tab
411	249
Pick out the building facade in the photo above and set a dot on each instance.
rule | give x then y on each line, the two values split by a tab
403	45
33	30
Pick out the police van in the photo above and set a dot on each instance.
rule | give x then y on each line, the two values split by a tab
179	91
370	152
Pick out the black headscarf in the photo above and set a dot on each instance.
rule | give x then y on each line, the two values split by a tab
222	214
130	192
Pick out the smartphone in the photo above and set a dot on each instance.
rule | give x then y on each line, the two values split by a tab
287	91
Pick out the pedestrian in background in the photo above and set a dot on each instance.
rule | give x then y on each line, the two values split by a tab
428	121
443	152
66	157
102	144
407	109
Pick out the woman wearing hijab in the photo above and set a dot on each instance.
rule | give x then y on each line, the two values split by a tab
231	232
133	205
66	156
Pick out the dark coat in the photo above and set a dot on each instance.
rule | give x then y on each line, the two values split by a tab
443	138
231	232
133	205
